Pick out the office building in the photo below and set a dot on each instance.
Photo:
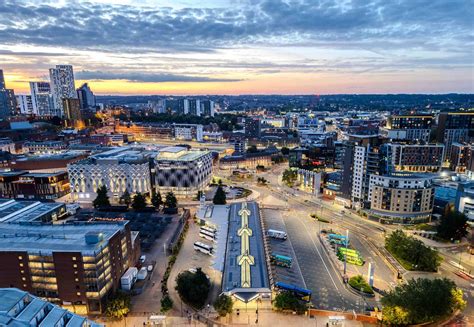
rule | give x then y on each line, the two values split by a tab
62	87
239	143
20	211
248	161
7	145
7	99
464	202
77	264
188	132
25	105
409	127
86	96
41	98
413	157
19	308
454	127
38	186
182	171
252	128
194	107
310	181
2	80
72	109
44	147
403	198
145	131
119	169
461	156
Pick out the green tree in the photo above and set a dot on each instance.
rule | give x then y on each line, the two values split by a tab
220	196
156	200
421	300
412	253
118	305
171	201
453	226
289	177
166	304
285	151
288	301
126	198
223	305
102	199
193	288
139	202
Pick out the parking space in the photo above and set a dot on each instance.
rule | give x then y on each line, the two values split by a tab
273	220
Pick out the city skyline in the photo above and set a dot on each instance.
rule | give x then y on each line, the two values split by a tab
241	47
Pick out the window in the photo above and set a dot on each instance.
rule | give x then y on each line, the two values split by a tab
78	293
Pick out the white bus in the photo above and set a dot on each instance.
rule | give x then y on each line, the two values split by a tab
207	235
208	229
204	248
277	234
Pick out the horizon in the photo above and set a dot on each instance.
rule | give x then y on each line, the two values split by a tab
226	47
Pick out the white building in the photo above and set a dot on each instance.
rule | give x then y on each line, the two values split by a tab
25	103
7	145
119	169
188	132
62	86
310	181
182	171
41	98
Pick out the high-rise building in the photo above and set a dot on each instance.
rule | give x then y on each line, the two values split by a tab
7	99
41	98
195	107
72	109
25	104
454	127
207	108
409	127
2	80
86	97
413	157
252	128
62	86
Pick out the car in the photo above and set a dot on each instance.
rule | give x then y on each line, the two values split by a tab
194	270
142	258
343	212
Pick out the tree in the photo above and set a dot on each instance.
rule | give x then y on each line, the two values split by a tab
126	198
252	149
199	194
421	300
118	305
170	201
156	200
412	253
289	177
452	226
288	301
166	304
223	305
285	151
193	288
102	199
220	196
139	202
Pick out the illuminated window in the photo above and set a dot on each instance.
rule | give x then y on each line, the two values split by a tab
78	293
21	265
74	265
73	258
76	279
20	257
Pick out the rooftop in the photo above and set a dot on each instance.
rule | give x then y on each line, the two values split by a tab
177	153
26	211
19	308
235	260
48	238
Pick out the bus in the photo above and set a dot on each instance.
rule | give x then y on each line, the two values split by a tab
208	229
338	239
202	247
349	251
281	260
207	235
277	234
302	293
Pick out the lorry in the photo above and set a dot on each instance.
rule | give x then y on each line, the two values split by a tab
277	234
129	278
142	273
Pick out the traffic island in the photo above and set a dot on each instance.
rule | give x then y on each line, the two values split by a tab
360	286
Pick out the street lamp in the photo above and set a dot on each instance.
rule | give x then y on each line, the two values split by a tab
345	254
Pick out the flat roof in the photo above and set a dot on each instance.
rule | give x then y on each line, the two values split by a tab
232	276
14	210
49	238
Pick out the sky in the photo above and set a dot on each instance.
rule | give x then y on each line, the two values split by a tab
243	46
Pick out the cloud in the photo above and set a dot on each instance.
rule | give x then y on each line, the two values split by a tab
147	78
404	23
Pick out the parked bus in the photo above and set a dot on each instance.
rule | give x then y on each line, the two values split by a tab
338	239
208	229
277	234
202	247
302	293
207	235
281	260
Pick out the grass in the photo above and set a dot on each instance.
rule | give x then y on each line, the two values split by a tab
405	264
424	227
359	283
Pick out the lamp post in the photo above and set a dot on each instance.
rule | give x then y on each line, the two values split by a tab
345	254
